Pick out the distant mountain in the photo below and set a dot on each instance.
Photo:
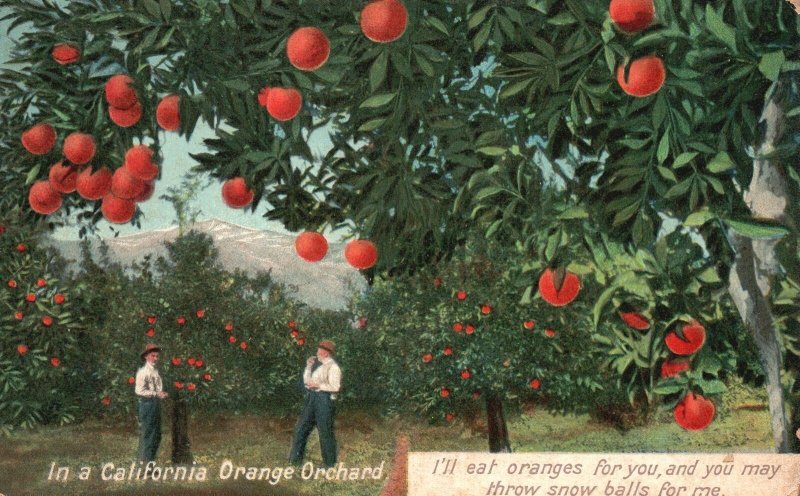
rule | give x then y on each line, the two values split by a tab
329	283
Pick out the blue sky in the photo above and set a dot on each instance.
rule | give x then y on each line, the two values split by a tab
159	214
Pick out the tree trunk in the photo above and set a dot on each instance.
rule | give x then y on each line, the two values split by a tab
181	447
498	431
755	266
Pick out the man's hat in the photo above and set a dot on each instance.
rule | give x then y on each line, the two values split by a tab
328	346
150	348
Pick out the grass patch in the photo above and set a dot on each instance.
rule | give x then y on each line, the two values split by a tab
365	440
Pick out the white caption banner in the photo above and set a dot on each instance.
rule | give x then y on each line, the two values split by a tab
603	474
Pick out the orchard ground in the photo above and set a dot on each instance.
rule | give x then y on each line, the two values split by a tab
365	440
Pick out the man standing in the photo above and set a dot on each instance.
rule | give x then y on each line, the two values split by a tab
150	392
322	378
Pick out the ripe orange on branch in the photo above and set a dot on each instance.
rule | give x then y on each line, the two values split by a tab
43	198
79	148
39	139
139	163
308	48
645	76
694	412
311	246
125	185
64	53
559	287
236	193
694	336
117	210
632	16
120	92
63	178
93	185
125	117
282	104
361	254
168	113
384	21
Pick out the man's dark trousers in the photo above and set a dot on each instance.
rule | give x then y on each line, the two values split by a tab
319	409
149	428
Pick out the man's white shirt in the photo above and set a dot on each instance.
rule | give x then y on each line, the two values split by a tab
148	382
328	376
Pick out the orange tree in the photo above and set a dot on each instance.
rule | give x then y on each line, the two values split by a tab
453	90
230	342
46	343
457	338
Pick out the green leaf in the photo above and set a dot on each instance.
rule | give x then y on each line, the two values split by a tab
757	229
679	189
372	125
236	84
720	163
377	72
515	88
166	9
32	174
574	213
438	24
478	17
378	100
665	389
718	27
663	148
492	151
683	159
482	36
152	8
770	64
697	219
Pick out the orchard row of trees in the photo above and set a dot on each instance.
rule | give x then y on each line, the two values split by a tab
448	342
502	121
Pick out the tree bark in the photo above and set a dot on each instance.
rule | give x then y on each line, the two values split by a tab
756	265
181	447
498	431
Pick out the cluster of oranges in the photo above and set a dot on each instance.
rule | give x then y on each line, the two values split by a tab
119	191
644	76
359	253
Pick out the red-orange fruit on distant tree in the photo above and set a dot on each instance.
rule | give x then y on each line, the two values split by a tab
632	16
283	104
43	198
308	48
125	117
39	139
64	53
645	76
22	349
383	21
117	210
139	163
558	287
236	193
125	185
311	246
168	114
79	148
694	412
120	92
635	320
671	368
694	336
63	178
93	185
361	254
